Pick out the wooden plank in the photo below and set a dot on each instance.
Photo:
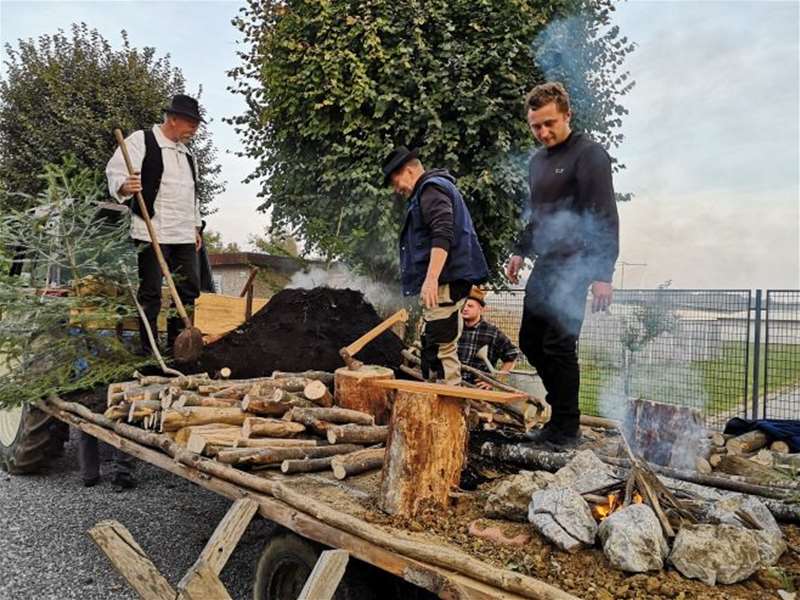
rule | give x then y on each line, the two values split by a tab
325	578
215	314
425	574
130	561
227	534
204	584
453	391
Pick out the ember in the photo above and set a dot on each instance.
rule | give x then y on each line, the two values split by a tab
613	503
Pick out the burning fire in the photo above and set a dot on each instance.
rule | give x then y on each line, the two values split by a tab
613	504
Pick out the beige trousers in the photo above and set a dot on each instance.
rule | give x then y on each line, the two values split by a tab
441	328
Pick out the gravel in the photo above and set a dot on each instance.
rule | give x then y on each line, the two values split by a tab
45	552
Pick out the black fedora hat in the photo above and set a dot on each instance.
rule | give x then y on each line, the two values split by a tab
186	106
396	159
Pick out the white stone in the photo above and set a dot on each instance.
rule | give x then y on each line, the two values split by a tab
769	538
715	553
563	517
584	473
633	540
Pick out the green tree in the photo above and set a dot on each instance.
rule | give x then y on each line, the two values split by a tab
215	245
332	86
63	95
59	314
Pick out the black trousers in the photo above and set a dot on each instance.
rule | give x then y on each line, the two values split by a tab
552	317
183	264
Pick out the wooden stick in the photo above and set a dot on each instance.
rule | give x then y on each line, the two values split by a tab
177	418
369	459
331	415
306	465
277	442
325	578
323	376
269	406
358	434
256	426
273	456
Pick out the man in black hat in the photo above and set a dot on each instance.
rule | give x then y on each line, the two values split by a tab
440	257
166	177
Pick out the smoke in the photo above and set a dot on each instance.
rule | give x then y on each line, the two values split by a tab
386	299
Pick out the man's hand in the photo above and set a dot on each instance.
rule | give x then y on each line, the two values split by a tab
430	292
513	267
601	295
132	184
484	385
198	240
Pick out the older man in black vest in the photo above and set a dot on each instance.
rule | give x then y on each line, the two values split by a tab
167	179
440	257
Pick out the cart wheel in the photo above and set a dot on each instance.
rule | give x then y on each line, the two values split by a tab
288	560
28	438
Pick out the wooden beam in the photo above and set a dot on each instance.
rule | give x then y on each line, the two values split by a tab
249	283
452	391
227	535
325	578
204	584
130	561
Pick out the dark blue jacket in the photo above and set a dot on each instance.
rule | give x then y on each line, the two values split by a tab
465	260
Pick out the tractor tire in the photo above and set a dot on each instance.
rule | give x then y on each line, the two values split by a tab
29	438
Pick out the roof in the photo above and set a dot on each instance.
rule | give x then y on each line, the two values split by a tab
281	264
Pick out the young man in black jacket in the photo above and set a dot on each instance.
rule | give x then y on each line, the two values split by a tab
573	232
440	257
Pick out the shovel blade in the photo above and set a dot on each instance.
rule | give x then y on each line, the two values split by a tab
188	345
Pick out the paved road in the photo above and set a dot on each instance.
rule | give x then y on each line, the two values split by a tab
46	554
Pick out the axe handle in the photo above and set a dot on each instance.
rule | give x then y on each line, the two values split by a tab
355	347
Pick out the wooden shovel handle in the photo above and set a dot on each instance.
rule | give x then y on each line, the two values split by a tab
152	232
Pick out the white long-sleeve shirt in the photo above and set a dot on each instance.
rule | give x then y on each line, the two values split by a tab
177	213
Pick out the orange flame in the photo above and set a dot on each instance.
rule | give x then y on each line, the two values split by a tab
613	504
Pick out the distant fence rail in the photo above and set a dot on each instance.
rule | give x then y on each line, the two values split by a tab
723	352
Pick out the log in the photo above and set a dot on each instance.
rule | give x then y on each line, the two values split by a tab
738	465
345	465
269	406
331	415
288	384
275	456
257	426
747	442
357	434
779	447
764	457
182	435
351	393
306	465
176	418
701	465
191	399
715	459
198	442
324	376
274	442
718	439
425	451
123	411
591	421
318	393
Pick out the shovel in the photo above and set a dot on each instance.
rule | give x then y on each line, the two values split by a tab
189	343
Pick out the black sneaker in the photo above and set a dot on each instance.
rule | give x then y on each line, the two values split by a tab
541	436
91	481
561	440
123	481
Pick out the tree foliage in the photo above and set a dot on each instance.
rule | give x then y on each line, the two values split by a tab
64	94
332	86
63	339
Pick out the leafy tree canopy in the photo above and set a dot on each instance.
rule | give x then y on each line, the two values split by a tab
332	86
64	94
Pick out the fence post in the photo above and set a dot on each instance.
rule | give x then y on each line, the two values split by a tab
756	353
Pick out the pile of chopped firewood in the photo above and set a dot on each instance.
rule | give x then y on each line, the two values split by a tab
287	420
750	455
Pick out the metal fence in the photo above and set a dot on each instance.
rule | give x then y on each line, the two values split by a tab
781	392
695	348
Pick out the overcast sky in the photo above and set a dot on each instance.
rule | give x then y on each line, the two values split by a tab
711	141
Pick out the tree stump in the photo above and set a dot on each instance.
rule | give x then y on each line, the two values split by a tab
351	393
425	452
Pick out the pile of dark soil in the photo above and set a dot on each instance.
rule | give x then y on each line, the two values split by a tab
302	329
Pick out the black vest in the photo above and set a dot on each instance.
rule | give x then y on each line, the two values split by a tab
152	170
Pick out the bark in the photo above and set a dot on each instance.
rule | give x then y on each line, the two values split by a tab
345	465
738	465
268	406
306	465
323	376
358	434
192	399
747	442
288	384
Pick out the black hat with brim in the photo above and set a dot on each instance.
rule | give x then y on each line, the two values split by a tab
185	106
396	159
